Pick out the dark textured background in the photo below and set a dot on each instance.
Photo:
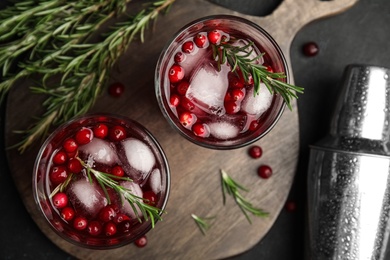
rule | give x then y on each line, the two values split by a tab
360	35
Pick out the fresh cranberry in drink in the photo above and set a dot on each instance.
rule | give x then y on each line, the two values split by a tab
96	175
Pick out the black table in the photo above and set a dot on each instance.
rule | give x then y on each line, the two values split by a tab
360	35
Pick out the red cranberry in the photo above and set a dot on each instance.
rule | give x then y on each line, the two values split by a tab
116	89
187	47
174	100
268	68
117	133
187	119
214	37
120	217
74	165
67	213
179	57
200	40
176	73
238	94
200	129
254	125
80	223
186	104
94	228
60	157
291	206
70	145
255	151
58	174
232	107
141	242
118	171
110	229
264	171
150	198
84	136
60	200
107	213
310	49
234	81
100	131
183	87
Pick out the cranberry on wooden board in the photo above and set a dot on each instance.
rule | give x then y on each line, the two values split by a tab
255	151
264	171
310	49
141	242
116	89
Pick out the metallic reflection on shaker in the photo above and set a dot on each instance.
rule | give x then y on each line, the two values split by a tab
349	172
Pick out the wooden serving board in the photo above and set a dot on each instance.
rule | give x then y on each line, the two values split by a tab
195	171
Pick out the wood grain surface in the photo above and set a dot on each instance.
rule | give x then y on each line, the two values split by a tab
195	179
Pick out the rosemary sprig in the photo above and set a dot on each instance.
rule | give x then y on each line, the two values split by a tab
232	188
62	186
202	223
240	58
137	203
53	40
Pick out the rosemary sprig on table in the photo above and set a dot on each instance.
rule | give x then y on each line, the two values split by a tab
52	39
240	58
232	188
202	223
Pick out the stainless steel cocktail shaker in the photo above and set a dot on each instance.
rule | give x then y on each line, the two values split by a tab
349	172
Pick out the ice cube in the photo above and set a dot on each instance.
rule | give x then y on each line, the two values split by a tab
208	88
223	130
259	103
139	156
100	151
135	190
155	181
87	198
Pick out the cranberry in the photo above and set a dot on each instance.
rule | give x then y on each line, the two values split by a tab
187	47
120	217
84	136
70	145
254	125
116	89
214	37
200	129
174	100
238	94
200	40
176	73
100	131
80	223
232	107
150	198
118	171
141	242
117	133
290	206
107	213
74	165
187	119
94	228
60	157
255	151
67	213
264	171
268	68
310	49
124	226
58	174
60	200
110	229
179	57
183	87
186	104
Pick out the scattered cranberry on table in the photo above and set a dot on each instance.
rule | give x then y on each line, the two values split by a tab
264	171
141	242
291	206
310	49
116	89
255	151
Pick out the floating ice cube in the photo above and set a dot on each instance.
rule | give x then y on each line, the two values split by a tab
208	88
155	181
135	190
87	198
100	150
258	104
223	130
138	155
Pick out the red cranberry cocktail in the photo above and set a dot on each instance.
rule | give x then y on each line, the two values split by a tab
208	98
101	181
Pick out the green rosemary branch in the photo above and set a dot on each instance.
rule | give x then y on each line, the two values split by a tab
202	223
84	67
62	186
137	203
239	58
232	188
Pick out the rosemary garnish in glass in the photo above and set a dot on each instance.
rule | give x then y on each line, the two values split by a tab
232	188
240	58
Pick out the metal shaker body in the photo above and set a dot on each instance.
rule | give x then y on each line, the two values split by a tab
349	172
